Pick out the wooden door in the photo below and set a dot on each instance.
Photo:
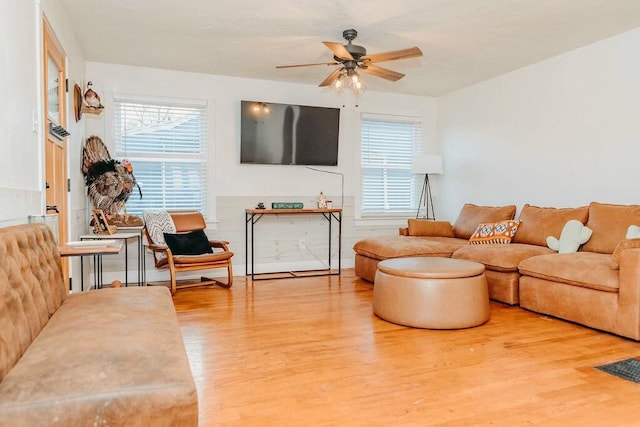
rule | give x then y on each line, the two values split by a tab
55	145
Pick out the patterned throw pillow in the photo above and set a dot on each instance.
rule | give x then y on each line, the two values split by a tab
158	223
491	233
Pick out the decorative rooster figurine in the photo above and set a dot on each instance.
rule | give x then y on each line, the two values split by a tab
109	182
91	98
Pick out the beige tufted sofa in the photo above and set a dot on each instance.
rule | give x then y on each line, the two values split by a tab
598	286
110	357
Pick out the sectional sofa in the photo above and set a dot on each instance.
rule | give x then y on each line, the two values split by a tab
597	286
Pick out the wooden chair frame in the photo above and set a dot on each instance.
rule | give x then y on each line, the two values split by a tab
181	263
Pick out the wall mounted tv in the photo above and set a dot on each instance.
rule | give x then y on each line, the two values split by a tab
286	134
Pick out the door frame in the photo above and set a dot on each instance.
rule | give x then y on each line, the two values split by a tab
55	150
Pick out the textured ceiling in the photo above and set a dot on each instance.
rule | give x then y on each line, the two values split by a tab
463	41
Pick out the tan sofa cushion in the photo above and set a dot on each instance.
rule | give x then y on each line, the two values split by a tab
609	224
536	223
425	227
471	215
109	357
406	246
585	269
503	258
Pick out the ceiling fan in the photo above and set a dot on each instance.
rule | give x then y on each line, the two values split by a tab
352	58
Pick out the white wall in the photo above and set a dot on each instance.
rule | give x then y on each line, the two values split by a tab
21	139
224	94
235	186
21	115
20	190
562	132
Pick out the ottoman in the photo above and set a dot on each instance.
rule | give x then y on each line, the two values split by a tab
431	292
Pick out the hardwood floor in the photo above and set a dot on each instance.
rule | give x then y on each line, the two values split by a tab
301	352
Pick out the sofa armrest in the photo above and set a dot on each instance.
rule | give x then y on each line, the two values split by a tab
629	279
629	291
403	231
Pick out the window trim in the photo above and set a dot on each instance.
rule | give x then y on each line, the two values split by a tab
391	218
208	106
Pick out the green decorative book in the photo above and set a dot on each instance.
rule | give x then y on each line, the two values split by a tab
287	205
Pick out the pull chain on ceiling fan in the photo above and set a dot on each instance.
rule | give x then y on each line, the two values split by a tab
353	58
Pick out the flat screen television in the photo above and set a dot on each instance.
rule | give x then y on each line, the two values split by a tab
286	134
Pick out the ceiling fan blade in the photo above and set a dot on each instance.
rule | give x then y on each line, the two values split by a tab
339	50
393	55
331	77
374	70
306	65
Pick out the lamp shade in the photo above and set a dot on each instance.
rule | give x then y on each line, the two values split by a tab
427	164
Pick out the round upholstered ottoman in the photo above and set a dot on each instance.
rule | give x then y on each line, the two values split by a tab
431	292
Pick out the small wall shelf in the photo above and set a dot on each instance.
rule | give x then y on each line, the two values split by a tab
91	110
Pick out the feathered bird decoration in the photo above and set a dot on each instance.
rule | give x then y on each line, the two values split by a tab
109	182
91	98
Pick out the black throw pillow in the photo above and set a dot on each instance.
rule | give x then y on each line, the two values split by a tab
192	243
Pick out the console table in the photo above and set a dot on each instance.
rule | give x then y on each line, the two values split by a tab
252	216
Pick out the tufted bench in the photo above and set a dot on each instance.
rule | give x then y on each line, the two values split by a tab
105	357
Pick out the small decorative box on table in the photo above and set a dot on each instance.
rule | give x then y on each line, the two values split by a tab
287	205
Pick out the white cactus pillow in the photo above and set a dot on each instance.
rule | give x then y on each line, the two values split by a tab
574	233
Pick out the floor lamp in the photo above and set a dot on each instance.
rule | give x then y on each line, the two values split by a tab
426	164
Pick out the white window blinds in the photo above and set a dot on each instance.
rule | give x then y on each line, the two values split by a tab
388	146
167	145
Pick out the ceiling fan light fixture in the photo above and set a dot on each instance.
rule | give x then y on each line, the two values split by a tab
355	82
350	57
358	87
349	78
339	83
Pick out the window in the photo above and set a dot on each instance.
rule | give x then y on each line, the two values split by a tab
166	145
388	145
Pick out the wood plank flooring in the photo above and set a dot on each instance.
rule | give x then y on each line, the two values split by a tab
306	352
